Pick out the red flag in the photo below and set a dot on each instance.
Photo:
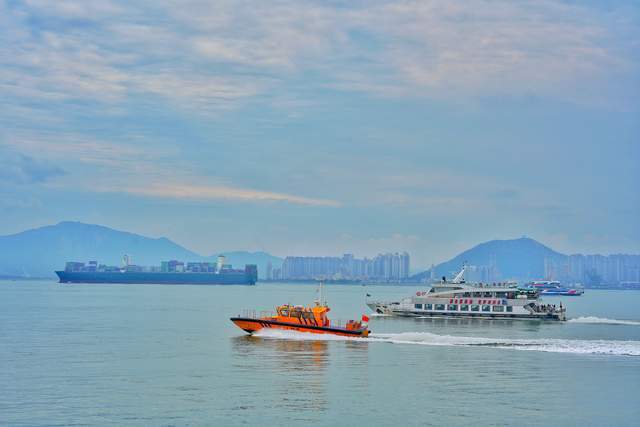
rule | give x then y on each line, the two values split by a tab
365	318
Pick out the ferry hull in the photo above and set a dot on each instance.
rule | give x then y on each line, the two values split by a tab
251	326
567	293
385	309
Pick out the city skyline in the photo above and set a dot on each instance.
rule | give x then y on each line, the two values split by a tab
384	267
327	127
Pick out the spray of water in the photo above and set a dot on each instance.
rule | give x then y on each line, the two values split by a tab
552	345
604	321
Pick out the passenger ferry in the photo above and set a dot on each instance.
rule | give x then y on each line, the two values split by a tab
553	287
456	298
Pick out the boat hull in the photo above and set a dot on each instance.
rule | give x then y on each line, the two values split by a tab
390	310
251	326
130	277
567	293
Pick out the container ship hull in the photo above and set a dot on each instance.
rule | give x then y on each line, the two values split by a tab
130	277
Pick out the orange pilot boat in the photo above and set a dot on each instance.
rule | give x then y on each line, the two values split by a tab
302	319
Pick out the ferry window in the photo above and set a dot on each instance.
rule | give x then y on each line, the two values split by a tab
509	308
486	308
419	306
500	294
439	306
466	294
464	307
477	294
498	308
453	307
428	306
475	307
487	295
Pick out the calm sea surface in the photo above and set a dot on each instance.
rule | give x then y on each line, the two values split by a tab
168	355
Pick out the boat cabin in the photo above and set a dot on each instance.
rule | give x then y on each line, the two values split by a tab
316	315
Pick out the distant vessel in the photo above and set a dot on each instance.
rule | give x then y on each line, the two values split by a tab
552	287
298	318
456	298
168	273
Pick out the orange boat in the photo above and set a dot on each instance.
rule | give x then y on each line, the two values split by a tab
303	319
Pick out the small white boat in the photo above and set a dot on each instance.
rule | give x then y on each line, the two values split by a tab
553	287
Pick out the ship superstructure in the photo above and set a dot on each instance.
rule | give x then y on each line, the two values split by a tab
456	298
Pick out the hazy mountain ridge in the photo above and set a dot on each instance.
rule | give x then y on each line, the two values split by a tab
521	258
40	251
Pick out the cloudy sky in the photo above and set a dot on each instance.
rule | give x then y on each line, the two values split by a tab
302	127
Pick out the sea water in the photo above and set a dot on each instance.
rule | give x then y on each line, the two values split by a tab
168	355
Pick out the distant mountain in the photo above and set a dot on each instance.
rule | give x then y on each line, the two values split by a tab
522	258
38	252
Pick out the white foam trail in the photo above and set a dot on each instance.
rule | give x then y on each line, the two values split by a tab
603	320
302	336
552	345
378	315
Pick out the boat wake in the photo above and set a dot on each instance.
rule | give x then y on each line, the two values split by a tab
551	345
302	336
604	321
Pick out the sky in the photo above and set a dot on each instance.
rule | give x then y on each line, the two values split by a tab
325	127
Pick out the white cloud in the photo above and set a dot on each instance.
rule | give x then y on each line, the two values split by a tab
125	168
70	9
452	49
73	148
199	53
208	192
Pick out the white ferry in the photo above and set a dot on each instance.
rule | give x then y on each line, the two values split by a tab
458	299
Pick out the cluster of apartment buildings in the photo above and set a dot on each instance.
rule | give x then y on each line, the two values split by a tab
595	269
389	267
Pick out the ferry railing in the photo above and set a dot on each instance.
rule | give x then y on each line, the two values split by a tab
250	314
253	314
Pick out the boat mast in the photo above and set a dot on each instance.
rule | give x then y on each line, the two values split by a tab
319	301
460	276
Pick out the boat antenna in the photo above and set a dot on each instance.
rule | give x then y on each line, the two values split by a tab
319	301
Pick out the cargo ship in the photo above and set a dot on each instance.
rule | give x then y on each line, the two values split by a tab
168	273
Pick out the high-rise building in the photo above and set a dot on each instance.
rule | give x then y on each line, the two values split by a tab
391	267
269	271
